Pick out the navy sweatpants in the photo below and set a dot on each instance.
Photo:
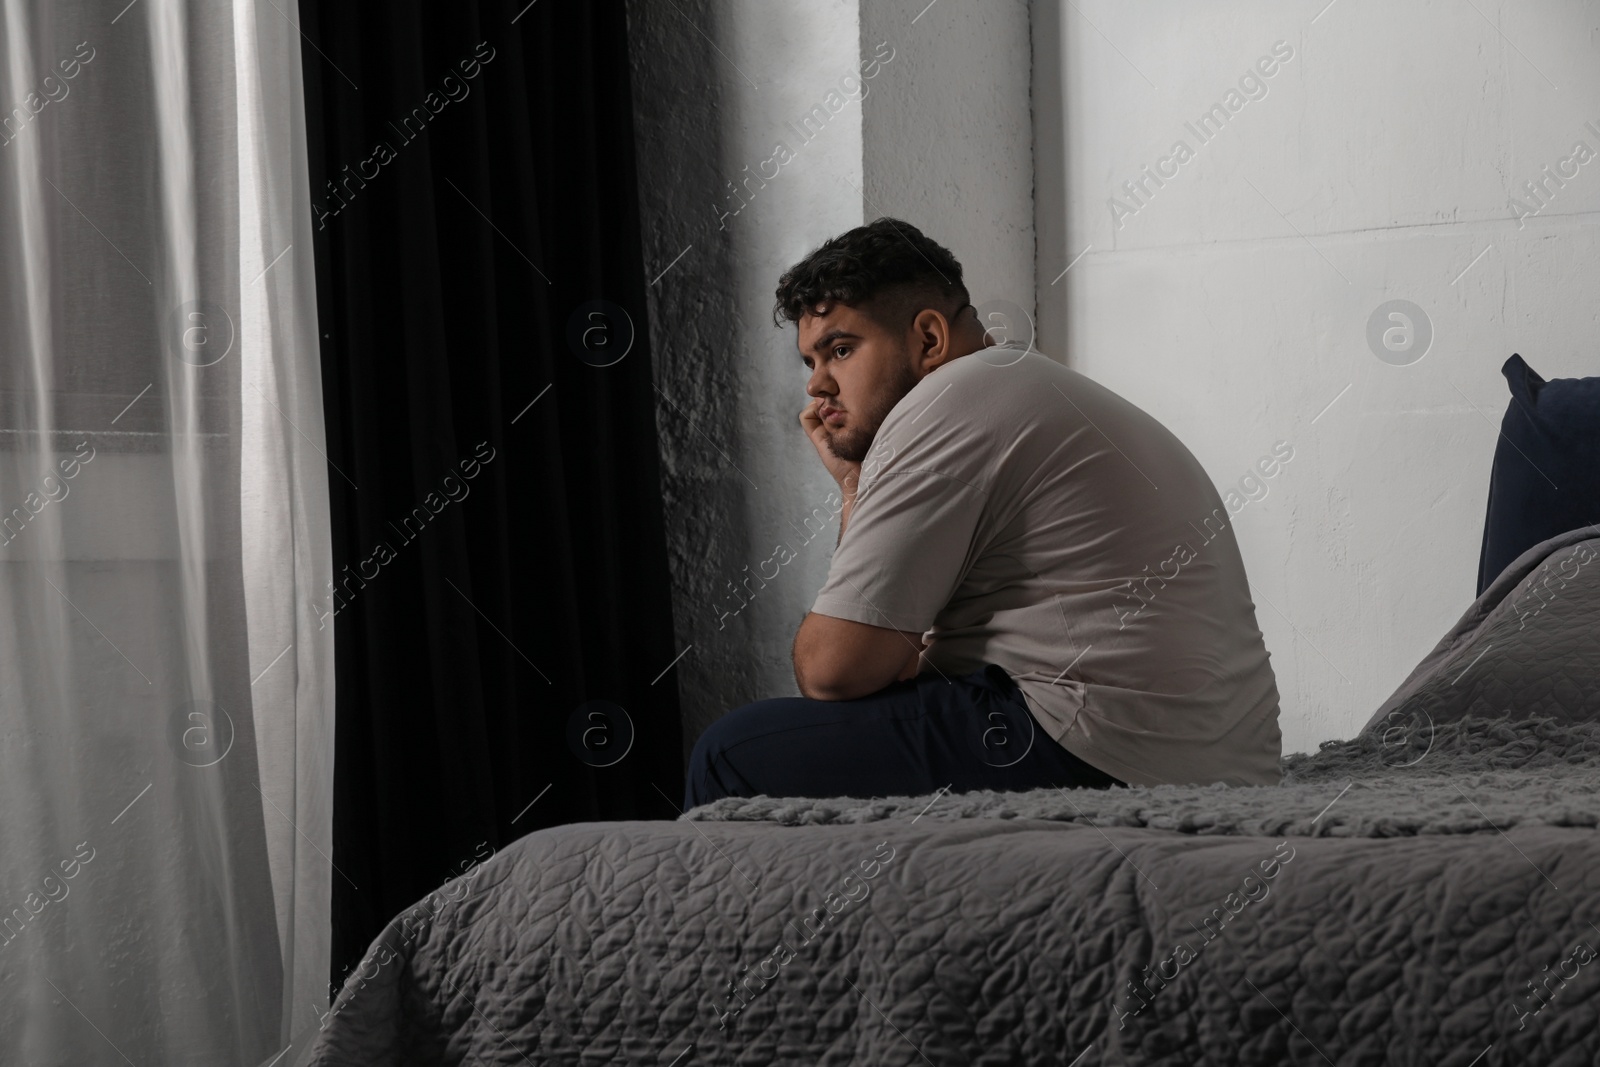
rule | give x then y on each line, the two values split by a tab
914	737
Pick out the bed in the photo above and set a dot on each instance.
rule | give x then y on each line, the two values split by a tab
1426	892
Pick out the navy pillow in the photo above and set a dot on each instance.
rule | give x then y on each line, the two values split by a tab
1546	475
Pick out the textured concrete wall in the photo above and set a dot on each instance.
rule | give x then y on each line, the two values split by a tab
717	85
737	182
1232	300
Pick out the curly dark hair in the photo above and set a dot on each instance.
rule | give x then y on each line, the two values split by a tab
887	268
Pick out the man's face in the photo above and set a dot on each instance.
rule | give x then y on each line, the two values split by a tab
859	370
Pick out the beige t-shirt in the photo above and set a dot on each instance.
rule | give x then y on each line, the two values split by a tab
1021	514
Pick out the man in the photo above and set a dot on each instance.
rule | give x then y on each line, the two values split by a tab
1035	582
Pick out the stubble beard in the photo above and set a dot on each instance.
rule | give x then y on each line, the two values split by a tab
852	443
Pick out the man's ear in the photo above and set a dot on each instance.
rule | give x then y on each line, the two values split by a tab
931	340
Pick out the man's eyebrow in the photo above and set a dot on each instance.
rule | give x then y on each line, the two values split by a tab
826	341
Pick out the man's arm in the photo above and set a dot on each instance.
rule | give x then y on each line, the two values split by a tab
837	659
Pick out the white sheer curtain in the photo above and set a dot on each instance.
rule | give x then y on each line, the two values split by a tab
166	695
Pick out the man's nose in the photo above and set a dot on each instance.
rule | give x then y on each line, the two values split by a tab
821	383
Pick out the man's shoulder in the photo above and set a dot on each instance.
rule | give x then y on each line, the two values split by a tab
992	379
1024	363
967	416
992	393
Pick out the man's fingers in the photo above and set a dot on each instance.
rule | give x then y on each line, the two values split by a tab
809	419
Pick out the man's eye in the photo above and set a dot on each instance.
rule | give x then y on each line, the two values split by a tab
845	349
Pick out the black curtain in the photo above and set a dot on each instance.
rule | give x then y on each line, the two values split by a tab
501	611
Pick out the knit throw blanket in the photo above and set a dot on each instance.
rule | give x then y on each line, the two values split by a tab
1475	775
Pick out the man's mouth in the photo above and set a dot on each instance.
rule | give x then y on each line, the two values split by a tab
832	415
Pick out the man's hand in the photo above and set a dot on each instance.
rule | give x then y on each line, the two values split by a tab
846	473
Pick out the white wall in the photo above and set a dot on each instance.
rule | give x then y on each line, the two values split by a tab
1233	302
940	138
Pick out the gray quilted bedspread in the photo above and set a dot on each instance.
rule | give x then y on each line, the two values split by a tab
1424	893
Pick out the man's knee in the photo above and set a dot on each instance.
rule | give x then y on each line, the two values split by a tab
708	763
708	743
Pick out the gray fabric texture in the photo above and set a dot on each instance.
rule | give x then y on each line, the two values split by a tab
1529	646
1417	894
1478	775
